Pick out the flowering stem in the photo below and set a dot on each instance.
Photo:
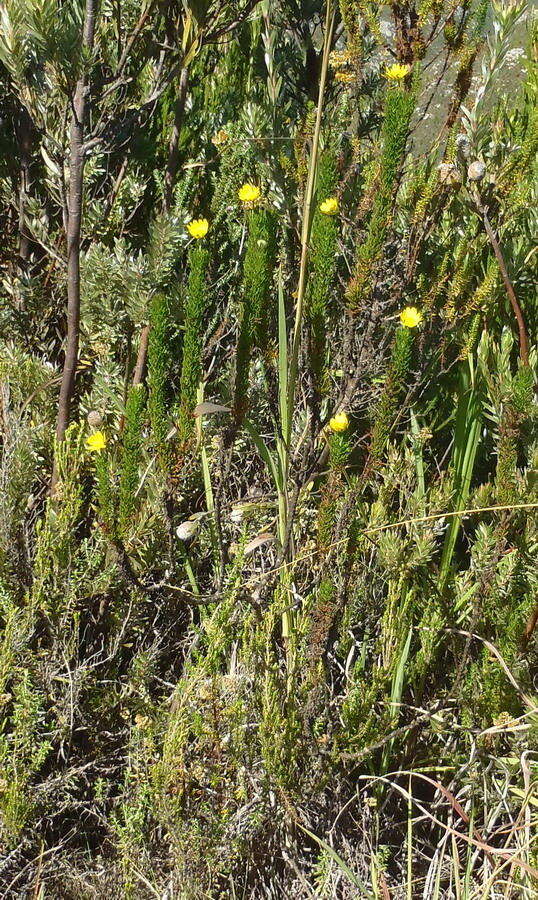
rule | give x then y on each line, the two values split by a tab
73	231
208	487
305	231
189	570
286	424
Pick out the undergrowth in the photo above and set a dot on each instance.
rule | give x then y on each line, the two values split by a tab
268	603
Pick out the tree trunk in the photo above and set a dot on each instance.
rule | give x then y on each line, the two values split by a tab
140	367
173	147
24	137
76	184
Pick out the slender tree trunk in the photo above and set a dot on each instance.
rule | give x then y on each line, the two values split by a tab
76	185
24	136
173	147
139	371
141	359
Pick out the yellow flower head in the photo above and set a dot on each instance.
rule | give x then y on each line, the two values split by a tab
142	721
410	317
219	138
197	228
249	193
397	72
96	442
339	58
339	422
329	206
344	77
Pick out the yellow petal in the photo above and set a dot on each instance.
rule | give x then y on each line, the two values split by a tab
96	442
410	317
339	422
329	206
198	228
397	72
249	193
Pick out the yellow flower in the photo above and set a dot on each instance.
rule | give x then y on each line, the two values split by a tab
410	317
249	193
329	206
339	58
344	77
219	138
197	228
142	721
397	72
339	422
96	442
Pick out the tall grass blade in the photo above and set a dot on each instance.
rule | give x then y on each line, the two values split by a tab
466	440
352	877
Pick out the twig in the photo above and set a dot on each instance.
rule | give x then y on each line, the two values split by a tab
523	338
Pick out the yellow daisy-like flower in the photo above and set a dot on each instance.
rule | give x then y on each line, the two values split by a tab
329	206
410	317
197	228
397	72
249	193
339	422
96	442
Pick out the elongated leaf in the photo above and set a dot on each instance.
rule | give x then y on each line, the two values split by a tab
351	876
259	541
273	463
208	409
466	439
282	357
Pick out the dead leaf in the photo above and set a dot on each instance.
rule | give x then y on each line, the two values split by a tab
258	541
207	409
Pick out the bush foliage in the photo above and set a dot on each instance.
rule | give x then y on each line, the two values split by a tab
268	449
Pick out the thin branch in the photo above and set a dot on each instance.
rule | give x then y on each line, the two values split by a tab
523	338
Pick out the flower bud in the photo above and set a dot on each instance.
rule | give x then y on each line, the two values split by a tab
237	514
463	145
449	175
476	171
94	418
187	530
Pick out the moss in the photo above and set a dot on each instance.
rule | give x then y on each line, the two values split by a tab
196	301
394	386
159	371
131	456
399	105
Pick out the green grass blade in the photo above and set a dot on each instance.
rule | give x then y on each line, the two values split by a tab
282	357
466	440
419	461
272	462
352	877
